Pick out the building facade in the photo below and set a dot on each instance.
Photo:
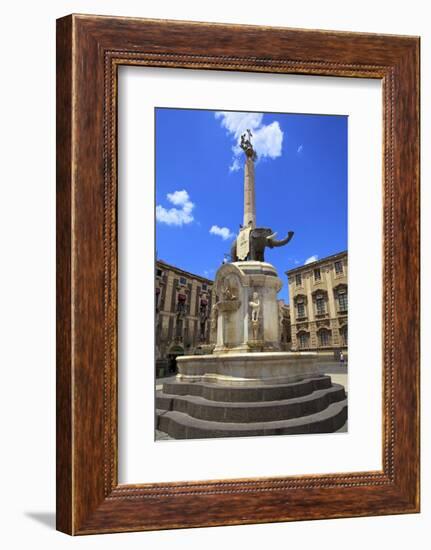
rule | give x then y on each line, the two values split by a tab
182	309
285	326
319	304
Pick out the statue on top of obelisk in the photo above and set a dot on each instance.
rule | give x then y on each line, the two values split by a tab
252	241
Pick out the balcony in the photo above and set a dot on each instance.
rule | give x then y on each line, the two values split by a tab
321	315
300	318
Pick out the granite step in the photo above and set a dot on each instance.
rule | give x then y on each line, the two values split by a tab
260	411
180	425
248	393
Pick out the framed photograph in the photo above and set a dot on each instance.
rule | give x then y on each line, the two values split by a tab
237	274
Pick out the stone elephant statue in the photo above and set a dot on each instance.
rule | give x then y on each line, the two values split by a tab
260	238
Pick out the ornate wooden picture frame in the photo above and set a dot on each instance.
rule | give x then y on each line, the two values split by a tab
89	51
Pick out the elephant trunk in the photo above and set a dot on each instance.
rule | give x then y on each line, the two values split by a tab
272	242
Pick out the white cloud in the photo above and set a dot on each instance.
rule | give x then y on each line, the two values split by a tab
267	138
176	216
235	166
237	123
179	198
223	232
311	259
300	148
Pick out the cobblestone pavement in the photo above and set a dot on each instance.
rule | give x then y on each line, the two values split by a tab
337	372
334	367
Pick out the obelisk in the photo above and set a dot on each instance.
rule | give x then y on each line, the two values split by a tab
249	192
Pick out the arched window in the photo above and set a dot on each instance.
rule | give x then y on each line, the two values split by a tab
303	339
320	304
341	297
324	337
342	301
320	300
301	306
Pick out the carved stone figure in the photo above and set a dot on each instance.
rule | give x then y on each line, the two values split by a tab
255	307
260	238
229	293
255	310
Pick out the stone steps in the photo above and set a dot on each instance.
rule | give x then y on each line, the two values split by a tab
247	393
180	425
201	408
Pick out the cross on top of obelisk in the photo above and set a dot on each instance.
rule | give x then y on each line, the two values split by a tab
247	146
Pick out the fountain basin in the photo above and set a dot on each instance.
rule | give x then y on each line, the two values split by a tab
248	368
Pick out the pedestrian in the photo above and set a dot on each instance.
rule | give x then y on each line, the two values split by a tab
341	359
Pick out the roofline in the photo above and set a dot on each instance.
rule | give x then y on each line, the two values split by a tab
312	264
184	272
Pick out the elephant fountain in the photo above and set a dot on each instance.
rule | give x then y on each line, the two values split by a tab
259	239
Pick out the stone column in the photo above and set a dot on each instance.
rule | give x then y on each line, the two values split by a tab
249	194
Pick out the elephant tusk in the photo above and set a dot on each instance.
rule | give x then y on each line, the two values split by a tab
270	237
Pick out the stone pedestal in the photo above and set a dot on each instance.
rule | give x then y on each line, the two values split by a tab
247	349
237	285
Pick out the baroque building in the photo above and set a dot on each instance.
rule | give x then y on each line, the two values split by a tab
182	309
319	305
285	327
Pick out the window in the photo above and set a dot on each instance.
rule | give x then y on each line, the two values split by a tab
317	276
159	272
320	305
301	309
204	286
338	267
324	337
342	301
303	339
181	304
179	329
298	279
343	334
183	281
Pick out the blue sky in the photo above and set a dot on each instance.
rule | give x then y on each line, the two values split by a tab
301	185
